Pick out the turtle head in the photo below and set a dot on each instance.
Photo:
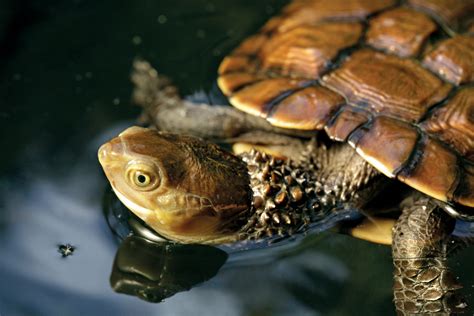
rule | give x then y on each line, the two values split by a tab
186	189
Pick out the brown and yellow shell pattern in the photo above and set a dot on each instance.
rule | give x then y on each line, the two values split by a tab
393	79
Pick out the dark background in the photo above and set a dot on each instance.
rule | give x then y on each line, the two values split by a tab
64	89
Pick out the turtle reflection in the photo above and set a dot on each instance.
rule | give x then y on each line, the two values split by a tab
154	271
148	266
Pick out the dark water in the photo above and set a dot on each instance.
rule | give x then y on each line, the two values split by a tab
64	68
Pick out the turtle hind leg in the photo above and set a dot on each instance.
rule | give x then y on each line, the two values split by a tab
150	86
165	109
423	282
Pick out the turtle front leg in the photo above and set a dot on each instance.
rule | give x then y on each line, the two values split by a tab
423	283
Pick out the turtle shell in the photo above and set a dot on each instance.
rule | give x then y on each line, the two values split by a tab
392	79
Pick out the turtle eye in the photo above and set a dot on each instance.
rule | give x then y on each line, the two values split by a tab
142	177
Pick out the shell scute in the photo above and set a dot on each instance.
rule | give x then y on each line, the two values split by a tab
454	123
435	172
346	122
453	60
307	109
387	84
257	98
351	68
371	144
401	31
307	51
314	11
452	13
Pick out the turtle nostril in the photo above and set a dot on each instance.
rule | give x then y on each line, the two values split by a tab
111	150
103	152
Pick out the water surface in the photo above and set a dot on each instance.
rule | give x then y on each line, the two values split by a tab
64	90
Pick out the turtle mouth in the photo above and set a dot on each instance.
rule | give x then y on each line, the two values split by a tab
194	212
165	215
138	210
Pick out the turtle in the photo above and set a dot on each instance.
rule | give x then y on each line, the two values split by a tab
356	101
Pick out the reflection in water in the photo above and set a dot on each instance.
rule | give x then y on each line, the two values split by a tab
155	271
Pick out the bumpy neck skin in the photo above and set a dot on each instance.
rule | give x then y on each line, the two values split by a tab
290	195
285	197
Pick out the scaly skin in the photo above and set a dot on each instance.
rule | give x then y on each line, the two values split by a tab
284	198
423	283
289	195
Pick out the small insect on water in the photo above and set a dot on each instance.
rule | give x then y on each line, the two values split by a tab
66	250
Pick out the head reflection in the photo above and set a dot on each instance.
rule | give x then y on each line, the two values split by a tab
151	268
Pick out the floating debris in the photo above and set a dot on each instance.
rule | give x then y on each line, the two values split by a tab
66	250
